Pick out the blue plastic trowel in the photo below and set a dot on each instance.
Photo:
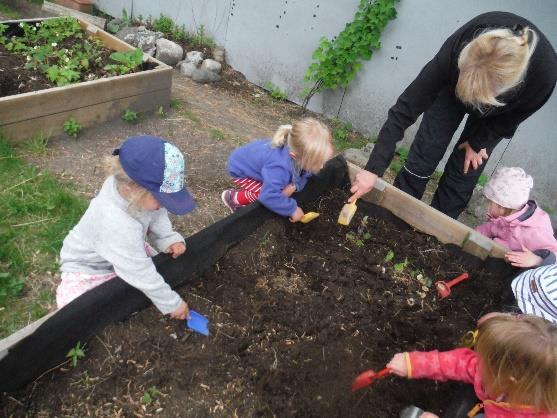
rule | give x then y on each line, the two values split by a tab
198	323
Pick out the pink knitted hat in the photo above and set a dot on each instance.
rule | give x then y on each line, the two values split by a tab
509	187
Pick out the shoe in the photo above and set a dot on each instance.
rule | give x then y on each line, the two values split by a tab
228	198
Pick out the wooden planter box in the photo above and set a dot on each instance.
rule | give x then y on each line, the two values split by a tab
89	102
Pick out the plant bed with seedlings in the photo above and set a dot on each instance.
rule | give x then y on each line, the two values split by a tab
296	311
56	69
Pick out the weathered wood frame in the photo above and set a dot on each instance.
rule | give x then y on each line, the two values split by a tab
426	219
89	102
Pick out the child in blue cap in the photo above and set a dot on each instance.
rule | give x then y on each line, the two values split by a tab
146	182
271	170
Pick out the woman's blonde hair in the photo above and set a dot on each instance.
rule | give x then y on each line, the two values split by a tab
136	192
309	140
519	360
492	63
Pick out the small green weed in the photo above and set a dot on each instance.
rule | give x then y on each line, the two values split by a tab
160	112
191	116
217	134
76	353
150	395
127	62
130	116
399	267
126	20
8	11
275	91
401	155
72	127
390	255
345	137
200	39
163	24
482	181
37	144
176	103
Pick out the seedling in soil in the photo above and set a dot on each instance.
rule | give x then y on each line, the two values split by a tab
399	267
390	255
150	395
160	112
275	91
72	127
217	134
130	116
76	353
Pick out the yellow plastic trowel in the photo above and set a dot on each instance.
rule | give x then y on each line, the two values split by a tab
347	213
308	217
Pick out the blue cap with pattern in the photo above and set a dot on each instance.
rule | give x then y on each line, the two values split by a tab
158	166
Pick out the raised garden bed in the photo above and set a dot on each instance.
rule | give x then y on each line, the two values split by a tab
296	310
45	111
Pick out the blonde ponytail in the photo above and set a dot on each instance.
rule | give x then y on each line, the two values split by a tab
281	136
492	63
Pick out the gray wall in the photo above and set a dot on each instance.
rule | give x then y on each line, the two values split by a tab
273	41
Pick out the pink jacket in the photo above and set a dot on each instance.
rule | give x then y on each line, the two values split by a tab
530	227
463	365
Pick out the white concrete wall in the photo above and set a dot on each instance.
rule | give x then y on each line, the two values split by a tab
273	41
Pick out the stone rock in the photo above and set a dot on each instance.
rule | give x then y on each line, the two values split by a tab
211	65
201	75
168	52
369	147
144	39
187	68
356	156
151	52
218	54
476	206
195	57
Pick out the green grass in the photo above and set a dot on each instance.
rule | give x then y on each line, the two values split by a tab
482	181
8	11
36	213
217	134
345	137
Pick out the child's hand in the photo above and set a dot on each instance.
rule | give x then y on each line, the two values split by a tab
289	190
182	312
176	249
523	259
297	215
429	415
398	365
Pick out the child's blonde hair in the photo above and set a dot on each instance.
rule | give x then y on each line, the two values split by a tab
113	167
493	63
519	360
309	140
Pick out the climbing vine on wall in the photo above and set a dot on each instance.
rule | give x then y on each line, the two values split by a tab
336	61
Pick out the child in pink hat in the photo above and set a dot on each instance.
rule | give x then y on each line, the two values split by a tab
517	222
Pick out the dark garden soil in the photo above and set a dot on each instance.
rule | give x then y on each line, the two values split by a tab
297	311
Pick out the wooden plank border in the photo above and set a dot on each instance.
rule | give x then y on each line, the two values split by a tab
27	114
426	219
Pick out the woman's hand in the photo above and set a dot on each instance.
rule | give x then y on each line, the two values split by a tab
398	365
176	249
182	312
523	259
363	183
297	215
289	190
472	157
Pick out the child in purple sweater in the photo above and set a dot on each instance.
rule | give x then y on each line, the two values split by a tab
271	170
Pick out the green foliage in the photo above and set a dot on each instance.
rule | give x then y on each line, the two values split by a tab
37	144
345	137
8	11
401	157
336	62
126	20
176	104
482	181
163	24
127	62
72	127
399	267
341	133
10	285
217	134
199	39
275	91
150	395
130	116
160	112
76	353
390	255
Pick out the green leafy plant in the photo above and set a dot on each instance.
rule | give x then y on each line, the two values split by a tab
401	157
72	127
76	353
126	20
37	144
390	255
200	39
127	61
275	91
163	24
9	286
160	112
336	62
482	181
130	116
399	267
150	395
